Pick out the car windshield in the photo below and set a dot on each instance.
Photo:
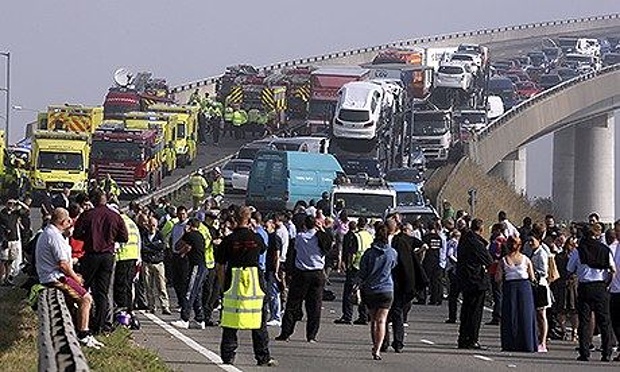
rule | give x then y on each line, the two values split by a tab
551	52
462	57
473	117
404	175
54	160
424	217
355	116
364	205
409	198
117	151
496	85
550	79
576	58
450	70
181	130
429	124
352	167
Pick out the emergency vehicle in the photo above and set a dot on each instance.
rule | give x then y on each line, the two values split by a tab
185	142
166	125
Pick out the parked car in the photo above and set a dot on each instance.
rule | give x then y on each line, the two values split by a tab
549	81
236	173
527	89
412	175
534	73
566	73
539	59
454	75
474	61
503	87
611	59
554	54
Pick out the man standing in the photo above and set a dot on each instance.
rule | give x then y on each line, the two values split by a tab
471	270
192	244
217	187
237	259
431	263
11	249
272	273
127	257
199	187
592	262
211	288
308	280
55	269
63	199
153	251
99	228
179	262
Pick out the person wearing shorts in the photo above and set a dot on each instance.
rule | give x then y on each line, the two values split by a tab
55	270
10	250
376	284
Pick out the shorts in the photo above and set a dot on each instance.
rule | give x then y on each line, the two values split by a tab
72	289
11	252
377	300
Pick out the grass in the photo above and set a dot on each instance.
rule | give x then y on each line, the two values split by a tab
18	343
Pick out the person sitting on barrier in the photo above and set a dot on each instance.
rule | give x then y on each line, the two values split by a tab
55	269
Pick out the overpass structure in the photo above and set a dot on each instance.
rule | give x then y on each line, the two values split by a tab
580	103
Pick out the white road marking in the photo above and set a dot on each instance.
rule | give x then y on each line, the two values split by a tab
428	342
482	357
213	357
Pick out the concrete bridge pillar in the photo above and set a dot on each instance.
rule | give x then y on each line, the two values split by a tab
563	180
594	189
513	170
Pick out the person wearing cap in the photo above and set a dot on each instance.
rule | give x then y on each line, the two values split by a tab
217	187
199	186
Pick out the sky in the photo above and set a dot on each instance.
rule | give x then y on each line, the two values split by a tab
66	51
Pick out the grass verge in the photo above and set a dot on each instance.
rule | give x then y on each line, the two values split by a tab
18	342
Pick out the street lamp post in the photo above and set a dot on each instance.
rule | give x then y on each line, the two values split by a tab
7	89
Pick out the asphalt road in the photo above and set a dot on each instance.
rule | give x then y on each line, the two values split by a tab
430	346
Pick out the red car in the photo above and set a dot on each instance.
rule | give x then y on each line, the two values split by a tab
527	89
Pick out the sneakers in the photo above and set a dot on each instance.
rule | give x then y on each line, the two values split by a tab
166	311
197	325
268	363
91	341
542	349
180	324
274	323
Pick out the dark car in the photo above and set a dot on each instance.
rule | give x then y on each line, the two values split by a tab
554	56
539	59
534	73
549	80
566	73
503	87
610	59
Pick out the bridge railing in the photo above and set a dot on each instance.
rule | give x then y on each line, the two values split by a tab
542	96
59	348
402	43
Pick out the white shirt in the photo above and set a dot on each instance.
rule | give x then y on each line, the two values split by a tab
615	281
52	247
282	232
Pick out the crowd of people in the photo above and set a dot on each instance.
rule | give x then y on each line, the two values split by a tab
258	268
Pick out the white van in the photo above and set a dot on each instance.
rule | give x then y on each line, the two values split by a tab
495	106
358	111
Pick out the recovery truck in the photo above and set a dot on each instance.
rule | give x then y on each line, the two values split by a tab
185	142
134	93
325	83
134	158
166	125
60	160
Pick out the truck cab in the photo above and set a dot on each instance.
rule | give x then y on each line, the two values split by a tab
432	130
59	160
362	197
166	125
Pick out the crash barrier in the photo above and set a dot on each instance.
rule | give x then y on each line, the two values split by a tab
568	25
59	348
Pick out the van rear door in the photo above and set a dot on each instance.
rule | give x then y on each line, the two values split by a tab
268	183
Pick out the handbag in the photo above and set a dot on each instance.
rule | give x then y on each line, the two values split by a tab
553	274
541	295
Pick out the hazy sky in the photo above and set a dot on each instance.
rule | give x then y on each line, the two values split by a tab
66	51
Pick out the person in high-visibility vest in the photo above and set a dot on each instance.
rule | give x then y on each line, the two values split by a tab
253	117
127	258
211	288
239	120
243	305
199	186
110	187
217	187
194	98
356	241
228	116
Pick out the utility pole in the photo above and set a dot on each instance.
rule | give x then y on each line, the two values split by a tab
7	89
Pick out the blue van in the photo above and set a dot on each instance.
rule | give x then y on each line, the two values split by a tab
408	194
279	179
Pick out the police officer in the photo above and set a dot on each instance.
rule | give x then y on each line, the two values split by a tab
199	185
127	257
194	98
237	268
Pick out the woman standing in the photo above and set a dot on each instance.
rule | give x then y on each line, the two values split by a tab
376	285
518	325
542	295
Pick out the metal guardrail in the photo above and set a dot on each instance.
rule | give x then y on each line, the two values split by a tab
401	43
542	96
59	348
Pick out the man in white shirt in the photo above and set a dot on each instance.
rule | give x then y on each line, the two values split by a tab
614	288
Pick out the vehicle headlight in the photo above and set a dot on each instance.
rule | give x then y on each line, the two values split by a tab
138	183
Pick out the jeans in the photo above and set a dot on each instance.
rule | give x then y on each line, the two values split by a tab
273	297
453	295
97	270
211	293
193	297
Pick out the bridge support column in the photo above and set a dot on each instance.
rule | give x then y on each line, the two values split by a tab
513	170
594	168
563	181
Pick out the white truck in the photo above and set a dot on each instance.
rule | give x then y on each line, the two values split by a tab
363	197
433	130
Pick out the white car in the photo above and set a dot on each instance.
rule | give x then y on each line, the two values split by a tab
454	75
236	173
358	111
474	61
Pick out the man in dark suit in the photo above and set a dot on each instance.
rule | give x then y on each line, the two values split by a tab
471	271
62	200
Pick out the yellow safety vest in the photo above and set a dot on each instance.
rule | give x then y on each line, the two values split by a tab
131	249
166	230
364	241
243	303
228	114
239	118
209	256
218	187
198	185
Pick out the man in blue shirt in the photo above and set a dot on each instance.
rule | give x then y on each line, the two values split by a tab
593	263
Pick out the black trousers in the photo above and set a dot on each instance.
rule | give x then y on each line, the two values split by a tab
306	286
123	284
398	317
471	316
593	297
614	309
453	296
435	274
211	292
140	300
180	277
97	270
496	291
347	293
